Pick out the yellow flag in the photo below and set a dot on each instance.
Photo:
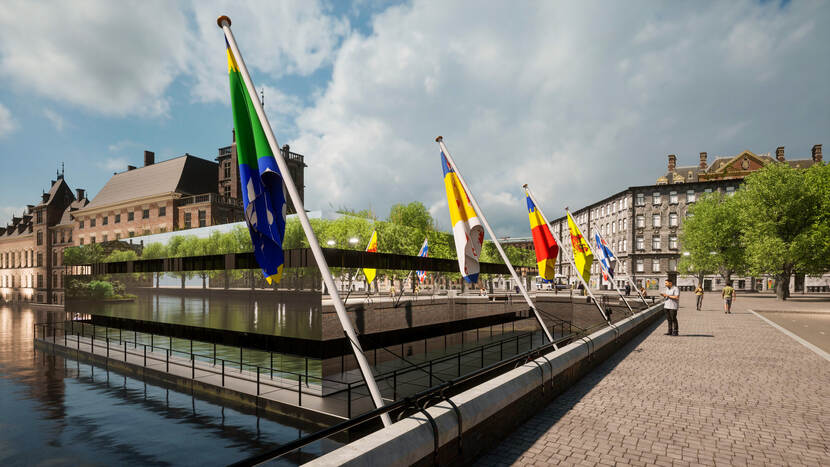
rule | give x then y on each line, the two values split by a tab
583	258
371	248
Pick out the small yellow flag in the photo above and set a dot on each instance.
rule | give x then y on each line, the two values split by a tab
371	248
583	258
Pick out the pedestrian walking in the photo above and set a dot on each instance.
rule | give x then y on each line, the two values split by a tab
627	289
699	295
728	294
672	303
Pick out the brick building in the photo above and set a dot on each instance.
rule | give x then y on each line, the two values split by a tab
642	223
180	193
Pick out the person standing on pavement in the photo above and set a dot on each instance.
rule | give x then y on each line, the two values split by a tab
627	289
699	295
672	303
728	294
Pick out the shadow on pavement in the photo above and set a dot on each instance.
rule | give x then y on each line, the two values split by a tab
567	400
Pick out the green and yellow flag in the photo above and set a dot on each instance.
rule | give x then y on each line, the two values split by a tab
263	192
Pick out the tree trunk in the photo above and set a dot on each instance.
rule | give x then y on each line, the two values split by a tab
782	285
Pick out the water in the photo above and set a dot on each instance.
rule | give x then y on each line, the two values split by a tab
57	411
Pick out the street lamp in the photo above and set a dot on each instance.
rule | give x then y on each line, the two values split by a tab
686	253
330	243
353	240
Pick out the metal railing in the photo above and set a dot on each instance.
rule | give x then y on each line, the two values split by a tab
209	197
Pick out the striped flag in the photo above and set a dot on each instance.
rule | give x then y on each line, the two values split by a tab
372	247
606	256
543	242
423	253
263	191
466	227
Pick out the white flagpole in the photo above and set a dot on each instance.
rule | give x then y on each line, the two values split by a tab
611	275
440	141
225	23
570	259
631	281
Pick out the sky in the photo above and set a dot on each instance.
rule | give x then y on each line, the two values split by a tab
578	99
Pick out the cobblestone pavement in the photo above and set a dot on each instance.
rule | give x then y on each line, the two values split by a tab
730	390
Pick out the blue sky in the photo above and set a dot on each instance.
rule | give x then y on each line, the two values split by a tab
580	101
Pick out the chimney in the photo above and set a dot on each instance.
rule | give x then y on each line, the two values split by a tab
672	162
149	158
817	153
779	153
45	197
130	167
79	193
703	164
29	208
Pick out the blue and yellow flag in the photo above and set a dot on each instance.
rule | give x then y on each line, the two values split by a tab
466	227
263	192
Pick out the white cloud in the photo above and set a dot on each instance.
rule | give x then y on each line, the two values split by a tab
55	118
275	39
7	123
114	164
579	100
6	213
113	58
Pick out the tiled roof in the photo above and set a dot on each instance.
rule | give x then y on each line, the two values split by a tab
185	174
66	217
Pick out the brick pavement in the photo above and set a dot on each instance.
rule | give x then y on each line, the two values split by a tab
730	390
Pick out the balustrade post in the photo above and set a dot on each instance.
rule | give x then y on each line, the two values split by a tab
145	356
108	346
257	380
223	373
395	384
300	390
349	401
125	352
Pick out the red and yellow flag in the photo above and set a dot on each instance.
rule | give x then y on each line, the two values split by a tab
371	248
583	257
543	242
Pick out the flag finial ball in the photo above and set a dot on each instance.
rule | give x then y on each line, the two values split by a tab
439	139
524	186
223	19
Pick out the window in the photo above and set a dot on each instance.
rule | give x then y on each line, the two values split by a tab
104	238
640	221
673	197
625	224
226	190
105	220
63	238
81	240
132	234
40	260
655	242
39	216
92	239
639	266
39	282
673	219
708	190
202	218
145	213
70	237
673	265
162	211
690	196
619	245
92	222
655	265
81	225
625	245
640	245
673	242
227	169
118	218
655	221
730	190
641	200
118	236
655	198
187	220
613	227
146	232
55	258
602	211
130	216
40	237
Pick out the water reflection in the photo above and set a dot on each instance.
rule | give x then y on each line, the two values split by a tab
61	412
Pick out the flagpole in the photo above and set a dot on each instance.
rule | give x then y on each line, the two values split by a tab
631	281
440	141
610	274
570	260
225	24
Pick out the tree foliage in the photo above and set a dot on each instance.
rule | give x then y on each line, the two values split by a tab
414	215
711	236
785	218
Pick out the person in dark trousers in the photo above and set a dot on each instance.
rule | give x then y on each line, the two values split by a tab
699	295
728	294
627	289
672	303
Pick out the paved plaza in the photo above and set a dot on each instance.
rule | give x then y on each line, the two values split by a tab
730	390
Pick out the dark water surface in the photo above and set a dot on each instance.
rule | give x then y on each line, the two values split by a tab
57	411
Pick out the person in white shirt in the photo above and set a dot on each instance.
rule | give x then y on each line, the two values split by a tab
672	303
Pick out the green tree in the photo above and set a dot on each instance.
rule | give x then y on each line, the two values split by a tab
120	255
414	215
86	254
711	236
785	219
